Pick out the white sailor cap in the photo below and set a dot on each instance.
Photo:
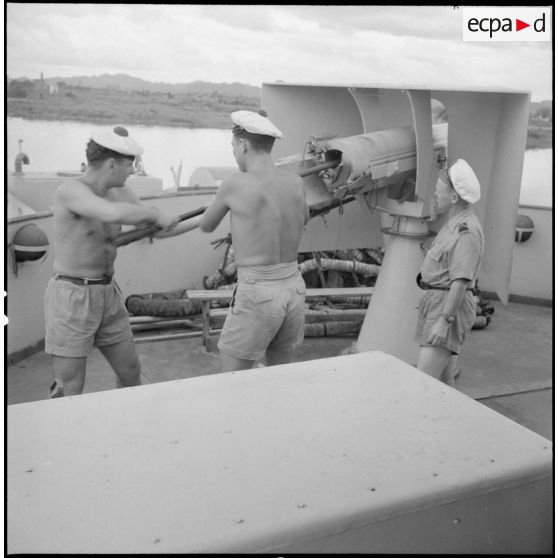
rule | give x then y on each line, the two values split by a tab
255	123
118	140
465	181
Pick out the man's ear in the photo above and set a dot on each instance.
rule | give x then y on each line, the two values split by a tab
111	163
454	196
243	144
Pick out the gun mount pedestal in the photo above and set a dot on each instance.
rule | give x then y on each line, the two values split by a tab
391	317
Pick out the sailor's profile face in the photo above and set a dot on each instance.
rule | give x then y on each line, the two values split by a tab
122	170
443	196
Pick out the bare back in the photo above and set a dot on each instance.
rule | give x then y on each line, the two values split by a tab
268	210
83	246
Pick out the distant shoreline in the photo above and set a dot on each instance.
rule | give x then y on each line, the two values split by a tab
101	106
125	122
538	137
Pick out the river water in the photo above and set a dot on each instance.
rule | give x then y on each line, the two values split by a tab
54	146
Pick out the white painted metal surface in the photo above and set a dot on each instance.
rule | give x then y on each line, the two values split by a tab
394	296
486	128
359	453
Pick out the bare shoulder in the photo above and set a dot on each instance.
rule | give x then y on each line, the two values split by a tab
236	177
233	182
71	188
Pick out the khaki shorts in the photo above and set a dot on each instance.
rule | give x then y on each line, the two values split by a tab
431	308
264	314
79	317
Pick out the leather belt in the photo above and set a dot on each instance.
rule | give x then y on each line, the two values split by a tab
84	281
426	287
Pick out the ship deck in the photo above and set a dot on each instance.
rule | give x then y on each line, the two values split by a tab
507	366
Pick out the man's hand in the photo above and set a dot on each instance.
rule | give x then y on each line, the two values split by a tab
439	332
165	222
172	225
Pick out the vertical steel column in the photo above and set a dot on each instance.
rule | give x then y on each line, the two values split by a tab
391	317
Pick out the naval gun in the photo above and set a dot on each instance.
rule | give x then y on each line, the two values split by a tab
383	162
384	148
379	169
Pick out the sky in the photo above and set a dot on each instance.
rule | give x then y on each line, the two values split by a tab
376	45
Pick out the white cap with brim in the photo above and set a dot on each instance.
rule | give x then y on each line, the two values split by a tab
118	140
464	181
255	123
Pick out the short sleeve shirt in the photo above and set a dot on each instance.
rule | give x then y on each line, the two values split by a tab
456	252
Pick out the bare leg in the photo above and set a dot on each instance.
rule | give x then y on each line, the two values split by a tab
278	357
231	364
70	372
450	371
433	361
124	361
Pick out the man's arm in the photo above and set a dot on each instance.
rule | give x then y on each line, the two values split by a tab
123	194
455	296
217	209
79	199
457	291
182	227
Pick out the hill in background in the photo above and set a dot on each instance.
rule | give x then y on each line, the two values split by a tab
119	97
129	83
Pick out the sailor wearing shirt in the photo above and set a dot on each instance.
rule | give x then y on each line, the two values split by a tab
447	310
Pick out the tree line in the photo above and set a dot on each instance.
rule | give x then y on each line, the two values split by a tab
36	99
